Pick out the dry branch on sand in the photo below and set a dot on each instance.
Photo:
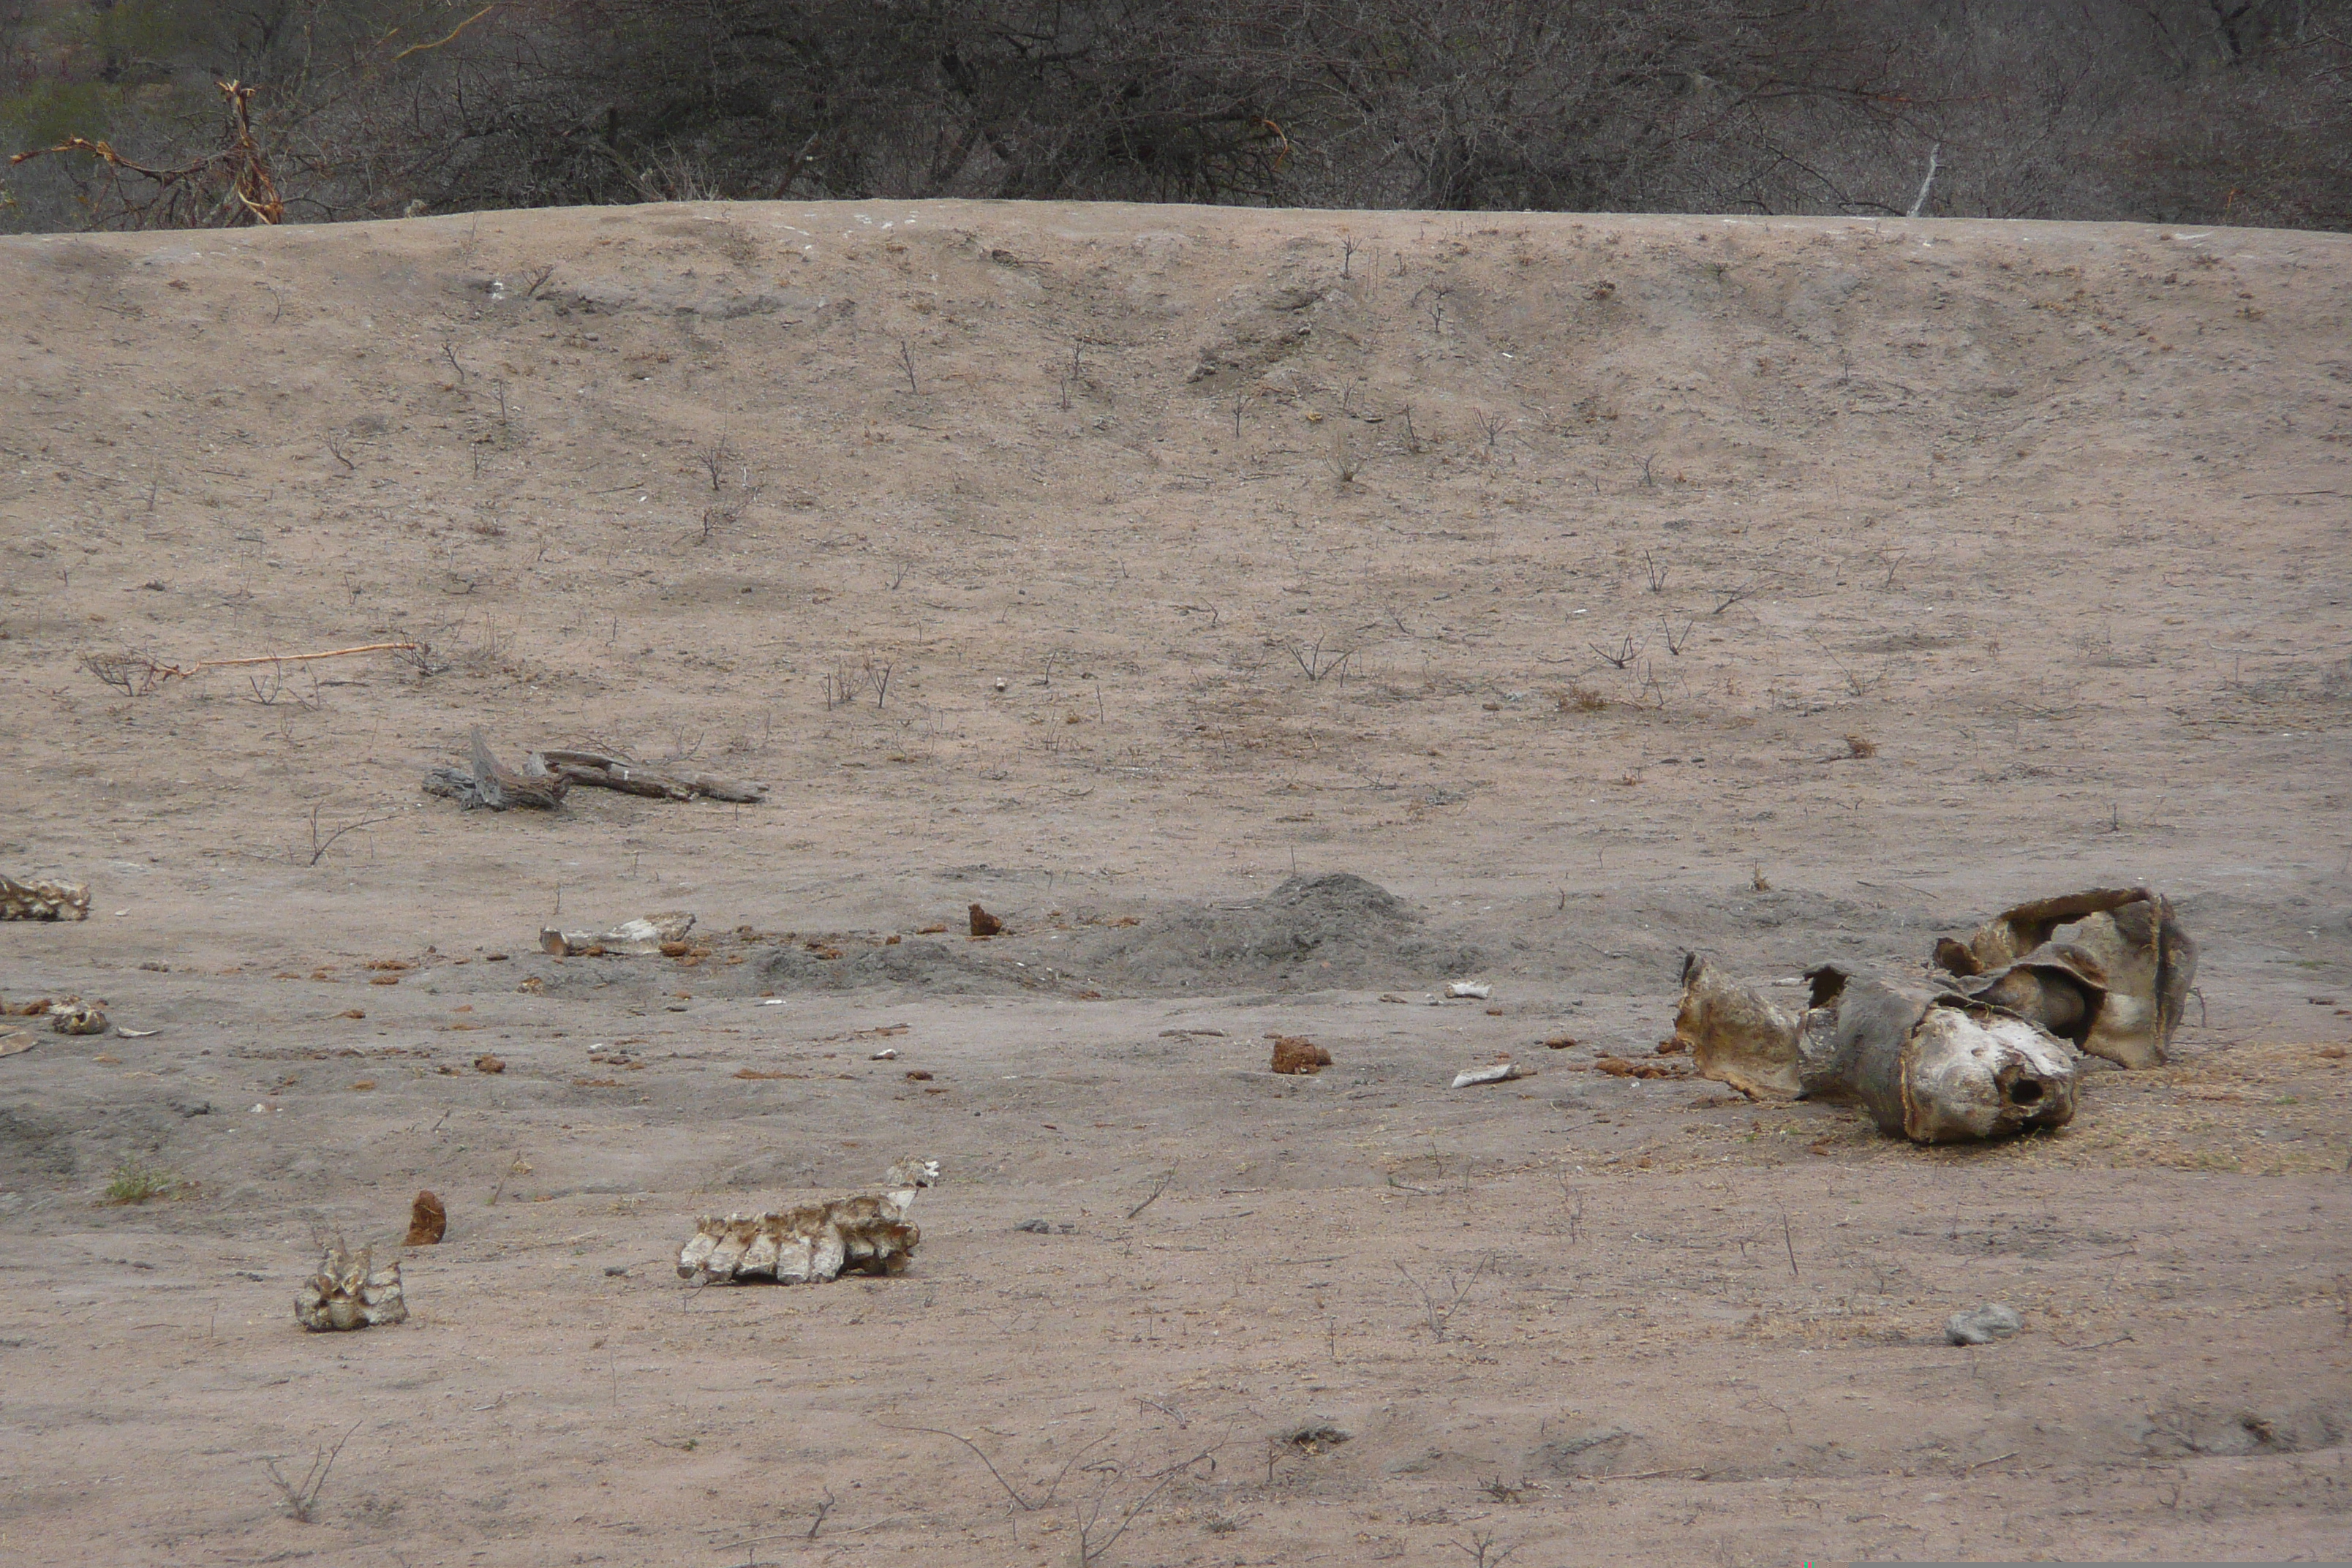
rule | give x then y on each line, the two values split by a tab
813	1242
660	781
497	788
136	672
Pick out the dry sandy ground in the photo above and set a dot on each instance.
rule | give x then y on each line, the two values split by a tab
1946	564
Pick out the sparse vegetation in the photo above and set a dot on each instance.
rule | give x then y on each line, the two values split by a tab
1581	699
2164	110
136	1182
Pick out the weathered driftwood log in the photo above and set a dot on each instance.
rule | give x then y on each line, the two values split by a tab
813	1242
495	787
43	900
662	782
2109	969
346	1293
1931	1065
646	934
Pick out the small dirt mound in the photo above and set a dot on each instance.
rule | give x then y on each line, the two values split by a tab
1310	932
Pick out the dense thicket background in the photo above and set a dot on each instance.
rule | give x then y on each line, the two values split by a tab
2176	110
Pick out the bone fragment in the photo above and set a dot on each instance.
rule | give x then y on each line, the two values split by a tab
813	1242
1931	1065
1500	1072
641	936
346	1293
43	900
2108	969
1477	989
80	1018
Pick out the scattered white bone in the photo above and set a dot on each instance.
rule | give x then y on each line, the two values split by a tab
1501	1072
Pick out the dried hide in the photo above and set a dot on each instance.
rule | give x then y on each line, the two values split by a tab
346	1293
43	900
811	1243
1932	1065
1734	1035
1935	1067
2109	969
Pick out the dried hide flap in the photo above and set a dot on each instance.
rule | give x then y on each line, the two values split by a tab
1930	1065
346	1294
1735	1034
2118	955
811	1243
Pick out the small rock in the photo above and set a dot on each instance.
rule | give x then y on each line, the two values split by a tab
983	923
488	1063
201	1108
1982	1326
1036	1227
1067	1229
616	1271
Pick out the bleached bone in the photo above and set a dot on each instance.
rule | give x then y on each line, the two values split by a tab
346	1294
813	1242
43	900
640	936
1931	1065
2120	954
